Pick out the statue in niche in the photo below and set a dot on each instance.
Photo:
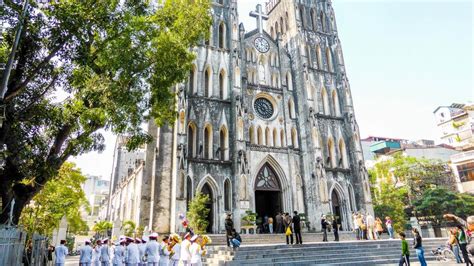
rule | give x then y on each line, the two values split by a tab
261	72
243	163
243	187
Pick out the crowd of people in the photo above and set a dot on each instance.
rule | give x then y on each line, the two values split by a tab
368	228
151	251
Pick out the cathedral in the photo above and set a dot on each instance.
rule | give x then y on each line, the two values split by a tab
266	123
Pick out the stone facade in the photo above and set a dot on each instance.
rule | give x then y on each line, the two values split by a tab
266	123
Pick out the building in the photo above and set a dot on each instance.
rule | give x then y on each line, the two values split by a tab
456	125
266	123
462	165
96	190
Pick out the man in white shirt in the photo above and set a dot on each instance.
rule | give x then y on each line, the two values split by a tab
118	253
141	249
369	220
196	251
185	254
85	258
164	252
61	252
152	250
96	253
104	253
132	253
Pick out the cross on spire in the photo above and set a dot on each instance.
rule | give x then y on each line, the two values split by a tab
260	17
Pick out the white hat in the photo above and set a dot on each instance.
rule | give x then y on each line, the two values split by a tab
155	235
122	237
194	238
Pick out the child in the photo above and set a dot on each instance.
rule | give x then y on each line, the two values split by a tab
405	259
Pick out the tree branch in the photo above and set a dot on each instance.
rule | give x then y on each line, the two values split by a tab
39	96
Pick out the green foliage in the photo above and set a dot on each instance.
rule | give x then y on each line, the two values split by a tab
61	196
197	213
87	66
398	181
436	202
102	227
128	228
249	217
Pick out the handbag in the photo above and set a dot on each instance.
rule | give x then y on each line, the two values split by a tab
288	231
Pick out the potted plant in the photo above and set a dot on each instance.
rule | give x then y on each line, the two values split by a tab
248	221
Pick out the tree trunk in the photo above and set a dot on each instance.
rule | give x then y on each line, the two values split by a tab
22	194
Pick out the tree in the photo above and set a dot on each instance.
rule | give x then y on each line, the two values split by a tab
102	227
197	213
61	196
436	202
85	66
129	228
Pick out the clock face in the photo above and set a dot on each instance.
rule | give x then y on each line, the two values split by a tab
262	45
264	108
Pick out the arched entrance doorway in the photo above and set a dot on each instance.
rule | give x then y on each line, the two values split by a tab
268	200
336	206
206	190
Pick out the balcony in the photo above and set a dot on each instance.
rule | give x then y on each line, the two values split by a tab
384	147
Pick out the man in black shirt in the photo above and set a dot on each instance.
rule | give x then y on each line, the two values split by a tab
297	227
324	227
229	225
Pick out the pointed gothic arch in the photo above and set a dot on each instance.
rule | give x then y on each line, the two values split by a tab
339	204
289	81
222	85
208	186
252	135
282	138
208	82
291	108
259	136
331	152
272	32
282	26
343	154
192	140
329	60
322	19
315	138
189	190
208	141
268	137
294	138
335	103
224	143
313	19
325	100
227	195
319	57
222	35
275	138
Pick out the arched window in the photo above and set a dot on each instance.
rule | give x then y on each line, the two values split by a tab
331	153
252	135
260	136
224	144
208	141
189	191
319	58
207	82
324	95
313	20
282	26
302	18
282	138
335	103
222	35
182	125
289	81
272	33
308	56
268	137
314	135
294	138
329	60
291	108
237	77
310	91
286	22
222	85
240	128
322	18
275	138
343	154
277	28
227	195
192	140
192	80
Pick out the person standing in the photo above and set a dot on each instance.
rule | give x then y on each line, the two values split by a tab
61	252
141	251
85	258
468	226
356	225
297	227
288	230
270	224
417	245
335	228
229	225
279	223
370	226
389	225
462	240
104	253
164	251
453	242
132	254
324	228
96	253
405	258
185	253
196	252
152	250
378	228
119	253
175	250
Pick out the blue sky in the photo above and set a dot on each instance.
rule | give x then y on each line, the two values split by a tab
403	59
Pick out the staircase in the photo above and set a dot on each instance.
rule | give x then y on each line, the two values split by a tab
352	252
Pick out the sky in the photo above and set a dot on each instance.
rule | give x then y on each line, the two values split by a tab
403	59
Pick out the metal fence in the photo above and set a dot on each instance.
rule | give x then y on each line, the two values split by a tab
39	254
12	244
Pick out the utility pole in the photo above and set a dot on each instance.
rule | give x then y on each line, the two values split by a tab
11	57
